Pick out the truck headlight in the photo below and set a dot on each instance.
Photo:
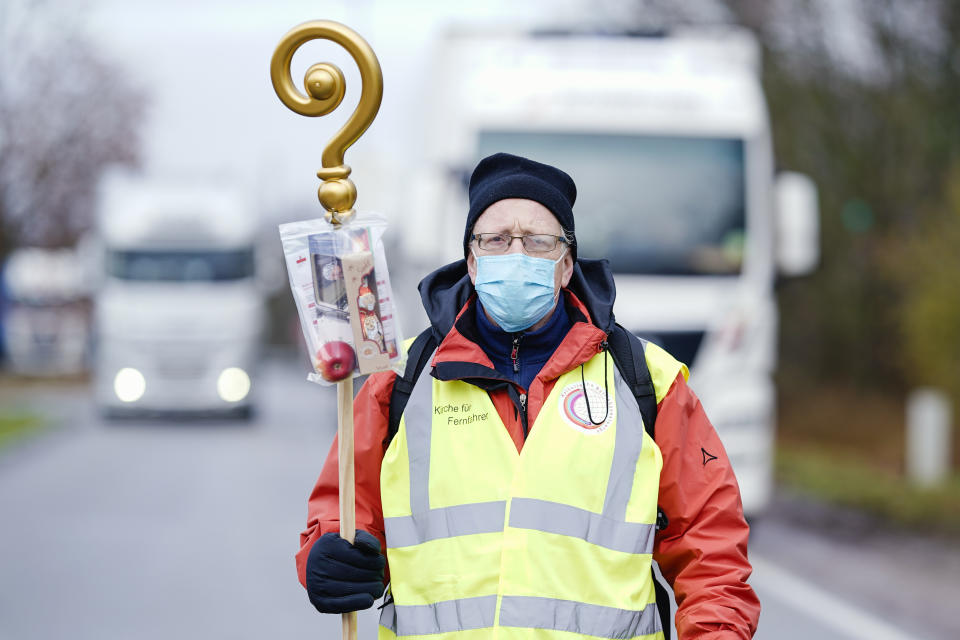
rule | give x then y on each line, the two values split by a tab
233	384
129	384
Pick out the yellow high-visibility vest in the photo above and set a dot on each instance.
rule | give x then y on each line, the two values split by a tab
555	541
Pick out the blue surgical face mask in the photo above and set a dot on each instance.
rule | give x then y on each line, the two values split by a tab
516	289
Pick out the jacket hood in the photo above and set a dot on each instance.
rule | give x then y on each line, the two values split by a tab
445	292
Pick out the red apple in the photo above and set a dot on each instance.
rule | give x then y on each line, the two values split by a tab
336	360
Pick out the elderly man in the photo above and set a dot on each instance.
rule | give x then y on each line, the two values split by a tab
523	492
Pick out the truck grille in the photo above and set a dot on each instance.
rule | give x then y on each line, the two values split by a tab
178	365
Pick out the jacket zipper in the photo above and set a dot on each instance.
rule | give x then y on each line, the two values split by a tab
522	398
515	353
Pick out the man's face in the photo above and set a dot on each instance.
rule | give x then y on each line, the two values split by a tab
519	217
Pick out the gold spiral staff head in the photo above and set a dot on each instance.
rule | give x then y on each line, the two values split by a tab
324	81
337	194
324	87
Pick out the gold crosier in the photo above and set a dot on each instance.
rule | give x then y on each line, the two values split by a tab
325	88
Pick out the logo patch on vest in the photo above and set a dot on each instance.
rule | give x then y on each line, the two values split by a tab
573	407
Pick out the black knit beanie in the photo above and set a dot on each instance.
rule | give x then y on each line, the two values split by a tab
503	176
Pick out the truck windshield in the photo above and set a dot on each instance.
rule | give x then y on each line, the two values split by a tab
664	205
181	266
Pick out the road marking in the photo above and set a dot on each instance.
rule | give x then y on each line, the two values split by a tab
822	605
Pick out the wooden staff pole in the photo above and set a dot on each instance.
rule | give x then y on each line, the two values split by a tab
325	87
348	511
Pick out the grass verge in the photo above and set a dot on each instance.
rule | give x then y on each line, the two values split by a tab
849	481
15	426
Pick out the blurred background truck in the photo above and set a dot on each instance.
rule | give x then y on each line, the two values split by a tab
45	312
668	138
179	313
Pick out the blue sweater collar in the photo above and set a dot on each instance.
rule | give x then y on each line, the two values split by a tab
537	345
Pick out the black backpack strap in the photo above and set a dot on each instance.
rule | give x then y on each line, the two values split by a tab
663	605
417	356
628	354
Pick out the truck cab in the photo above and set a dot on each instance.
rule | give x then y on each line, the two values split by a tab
179	313
668	140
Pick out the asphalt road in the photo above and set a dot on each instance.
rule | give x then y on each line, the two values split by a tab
187	530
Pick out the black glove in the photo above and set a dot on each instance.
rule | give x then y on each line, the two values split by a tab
342	577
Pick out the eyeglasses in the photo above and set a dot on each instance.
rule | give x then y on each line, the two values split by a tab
532	243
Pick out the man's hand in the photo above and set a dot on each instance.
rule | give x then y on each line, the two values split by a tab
342	577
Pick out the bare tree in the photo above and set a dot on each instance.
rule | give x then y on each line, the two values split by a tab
66	113
863	97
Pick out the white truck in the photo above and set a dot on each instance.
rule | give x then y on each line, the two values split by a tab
45	318
179	311
668	139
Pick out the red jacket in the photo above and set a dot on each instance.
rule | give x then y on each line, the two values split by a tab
702	552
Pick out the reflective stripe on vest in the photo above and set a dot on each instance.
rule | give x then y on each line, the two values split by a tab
521	611
578	617
556	537
440	617
564	520
445	522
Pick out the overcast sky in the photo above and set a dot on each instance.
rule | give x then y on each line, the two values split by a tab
205	66
213	109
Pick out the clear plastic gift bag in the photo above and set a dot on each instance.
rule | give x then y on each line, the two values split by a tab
340	283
